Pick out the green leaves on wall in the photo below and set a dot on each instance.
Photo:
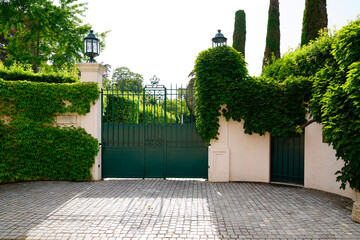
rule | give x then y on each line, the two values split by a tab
265	105
31	147
321	78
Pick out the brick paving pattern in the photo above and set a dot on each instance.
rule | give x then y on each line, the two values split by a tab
171	209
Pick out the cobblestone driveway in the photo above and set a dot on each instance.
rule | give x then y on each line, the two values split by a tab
171	209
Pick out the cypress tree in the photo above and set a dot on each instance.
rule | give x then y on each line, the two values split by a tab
239	36
315	19
273	33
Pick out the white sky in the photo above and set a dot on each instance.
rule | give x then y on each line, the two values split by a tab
164	37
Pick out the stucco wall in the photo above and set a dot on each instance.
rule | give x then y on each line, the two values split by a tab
321	164
237	156
249	154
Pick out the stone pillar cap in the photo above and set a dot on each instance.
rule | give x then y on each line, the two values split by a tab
91	67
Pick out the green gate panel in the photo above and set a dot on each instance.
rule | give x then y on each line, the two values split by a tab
187	163
154	163
151	133
287	159
118	162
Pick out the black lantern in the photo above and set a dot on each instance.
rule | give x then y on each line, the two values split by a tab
219	39
91	46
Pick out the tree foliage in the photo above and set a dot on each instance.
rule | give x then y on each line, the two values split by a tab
272	48
125	79
41	31
315	19
239	36
304	61
3	43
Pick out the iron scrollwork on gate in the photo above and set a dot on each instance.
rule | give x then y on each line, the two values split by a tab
154	112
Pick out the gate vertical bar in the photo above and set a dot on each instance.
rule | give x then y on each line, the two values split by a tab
102	120
165	136
107	111
144	131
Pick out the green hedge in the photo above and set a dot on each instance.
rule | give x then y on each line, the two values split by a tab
129	108
32	77
18	72
31	147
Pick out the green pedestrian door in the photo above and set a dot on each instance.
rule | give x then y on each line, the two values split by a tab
287	159
151	133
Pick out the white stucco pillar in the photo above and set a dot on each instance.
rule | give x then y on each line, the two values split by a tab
219	157
91	122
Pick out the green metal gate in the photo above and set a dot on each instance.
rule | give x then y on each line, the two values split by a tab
150	133
287	159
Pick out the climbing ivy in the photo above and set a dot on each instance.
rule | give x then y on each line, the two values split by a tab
265	105
218	70
305	61
336	102
31	147
321	78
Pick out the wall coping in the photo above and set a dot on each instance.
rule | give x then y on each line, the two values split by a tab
91	67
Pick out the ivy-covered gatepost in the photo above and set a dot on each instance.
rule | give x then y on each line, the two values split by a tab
91	122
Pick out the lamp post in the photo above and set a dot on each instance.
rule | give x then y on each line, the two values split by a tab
91	46
219	39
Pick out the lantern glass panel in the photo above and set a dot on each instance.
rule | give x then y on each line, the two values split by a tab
88	46
95	47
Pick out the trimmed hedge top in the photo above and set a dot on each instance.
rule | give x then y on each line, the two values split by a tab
24	73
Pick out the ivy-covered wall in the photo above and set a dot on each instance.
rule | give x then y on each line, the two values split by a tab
321	78
31	147
265	104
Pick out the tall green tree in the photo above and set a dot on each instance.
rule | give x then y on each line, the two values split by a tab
42	31
125	79
272	47
315	19
239	36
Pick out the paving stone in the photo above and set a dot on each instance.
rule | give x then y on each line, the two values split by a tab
171	209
